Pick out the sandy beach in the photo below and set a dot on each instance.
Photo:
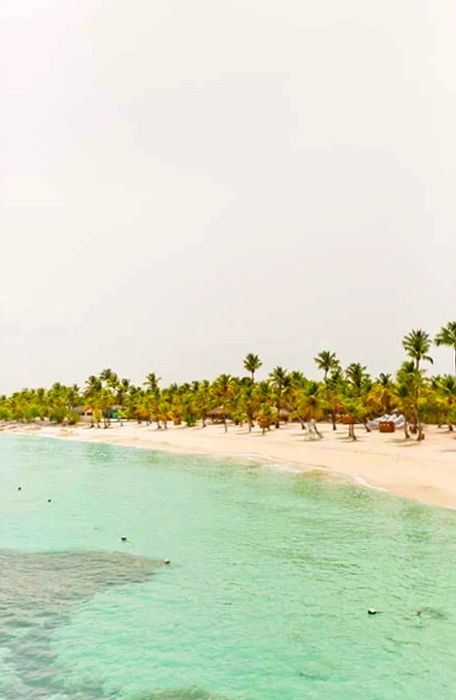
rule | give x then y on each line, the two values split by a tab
423	471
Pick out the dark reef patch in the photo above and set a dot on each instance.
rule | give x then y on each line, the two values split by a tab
37	593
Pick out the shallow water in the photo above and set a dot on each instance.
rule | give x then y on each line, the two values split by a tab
266	595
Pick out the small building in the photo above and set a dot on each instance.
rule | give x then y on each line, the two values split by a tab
84	413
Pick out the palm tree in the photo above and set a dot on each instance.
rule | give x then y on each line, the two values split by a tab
105	401
122	390
265	418
385	379
110	377
297	379
360	383
446	386
280	380
93	383
380	398
309	405
251	364
152	382
333	395
163	409
327	361
203	400
92	394
447	336
354	408
410	391
357	376
417	344
223	390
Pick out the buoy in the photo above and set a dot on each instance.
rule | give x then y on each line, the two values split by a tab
49	500
167	561
371	611
19	488
123	539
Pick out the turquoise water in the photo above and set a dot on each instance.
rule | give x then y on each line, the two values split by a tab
265	598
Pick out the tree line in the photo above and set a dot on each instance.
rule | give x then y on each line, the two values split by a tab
348	394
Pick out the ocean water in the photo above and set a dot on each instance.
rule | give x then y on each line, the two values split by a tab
265	597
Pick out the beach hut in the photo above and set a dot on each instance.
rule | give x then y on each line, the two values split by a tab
217	415
84	413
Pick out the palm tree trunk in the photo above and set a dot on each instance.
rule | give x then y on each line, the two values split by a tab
418	426
406	432
315	427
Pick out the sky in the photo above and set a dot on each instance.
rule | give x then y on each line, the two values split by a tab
183	182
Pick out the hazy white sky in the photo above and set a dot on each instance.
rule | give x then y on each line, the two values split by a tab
184	182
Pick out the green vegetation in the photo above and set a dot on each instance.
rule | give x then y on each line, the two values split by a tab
348	395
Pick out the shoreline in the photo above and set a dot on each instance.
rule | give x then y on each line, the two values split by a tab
424	472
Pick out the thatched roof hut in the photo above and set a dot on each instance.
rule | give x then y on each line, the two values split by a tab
217	414
82	411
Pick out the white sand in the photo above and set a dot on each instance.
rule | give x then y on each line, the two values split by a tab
423	471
